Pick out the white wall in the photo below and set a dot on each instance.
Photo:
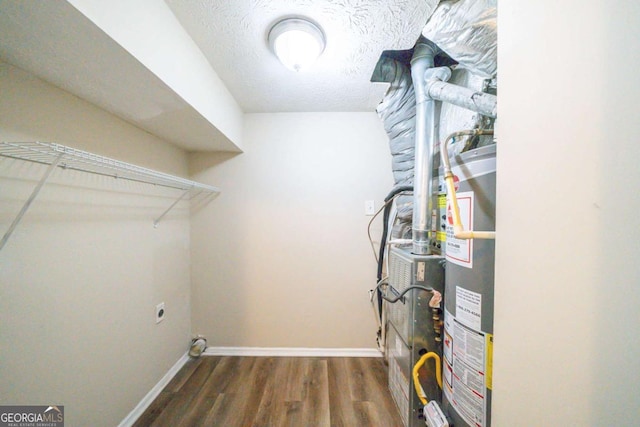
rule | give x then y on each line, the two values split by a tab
149	30
82	273
281	258
567	270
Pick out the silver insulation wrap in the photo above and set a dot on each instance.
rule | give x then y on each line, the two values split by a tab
397	112
467	31
454	118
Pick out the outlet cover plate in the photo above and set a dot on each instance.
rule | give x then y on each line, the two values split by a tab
160	312
369	207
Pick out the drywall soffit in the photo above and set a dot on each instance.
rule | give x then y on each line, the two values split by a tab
57	43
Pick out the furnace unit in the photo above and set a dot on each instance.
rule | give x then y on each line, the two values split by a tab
412	330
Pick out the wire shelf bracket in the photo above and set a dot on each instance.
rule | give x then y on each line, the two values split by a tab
56	155
157	220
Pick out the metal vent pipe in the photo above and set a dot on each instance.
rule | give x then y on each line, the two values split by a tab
425	134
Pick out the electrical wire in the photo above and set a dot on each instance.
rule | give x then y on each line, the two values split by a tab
381	321
372	294
373	246
391	220
385	222
383	240
401	294
382	208
380	336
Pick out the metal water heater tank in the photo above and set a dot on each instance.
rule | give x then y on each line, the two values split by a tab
469	278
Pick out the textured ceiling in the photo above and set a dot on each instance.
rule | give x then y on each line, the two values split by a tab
60	44
233	37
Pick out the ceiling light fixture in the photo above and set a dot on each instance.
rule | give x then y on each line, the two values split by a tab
297	42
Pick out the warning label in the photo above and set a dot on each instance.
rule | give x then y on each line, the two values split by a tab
489	364
460	251
468	307
442	201
441	234
398	381
447	352
399	386
464	370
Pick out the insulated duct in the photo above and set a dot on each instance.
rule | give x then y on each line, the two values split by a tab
453	118
467	31
480	102
397	112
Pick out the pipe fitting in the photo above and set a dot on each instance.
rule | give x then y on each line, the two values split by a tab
458	230
424	53
424	50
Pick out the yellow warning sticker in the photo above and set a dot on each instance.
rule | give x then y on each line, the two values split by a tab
441	236
489	367
442	201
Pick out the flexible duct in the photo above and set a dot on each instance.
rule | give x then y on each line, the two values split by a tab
467	31
397	112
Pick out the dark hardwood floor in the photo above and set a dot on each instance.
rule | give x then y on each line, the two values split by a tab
276	391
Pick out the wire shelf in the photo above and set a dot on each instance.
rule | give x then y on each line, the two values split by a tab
74	159
56	155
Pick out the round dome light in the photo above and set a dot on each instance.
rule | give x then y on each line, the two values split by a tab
296	42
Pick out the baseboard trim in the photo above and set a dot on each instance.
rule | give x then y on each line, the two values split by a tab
133	416
292	352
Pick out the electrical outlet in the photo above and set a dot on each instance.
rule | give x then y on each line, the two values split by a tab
160	312
369	207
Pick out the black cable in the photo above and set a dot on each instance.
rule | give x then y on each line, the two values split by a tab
403	293
385	231
385	224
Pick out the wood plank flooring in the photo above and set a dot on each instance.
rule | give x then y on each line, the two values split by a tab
232	391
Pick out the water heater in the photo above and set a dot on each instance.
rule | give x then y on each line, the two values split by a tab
469	278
